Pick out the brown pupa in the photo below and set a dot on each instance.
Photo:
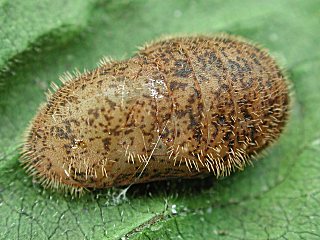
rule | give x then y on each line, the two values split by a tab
181	107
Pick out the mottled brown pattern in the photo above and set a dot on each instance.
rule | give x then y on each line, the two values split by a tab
180	107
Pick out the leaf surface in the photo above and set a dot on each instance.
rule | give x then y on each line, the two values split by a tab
278	198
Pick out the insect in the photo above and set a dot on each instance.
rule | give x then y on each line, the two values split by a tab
181	107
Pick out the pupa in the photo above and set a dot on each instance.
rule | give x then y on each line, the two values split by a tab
181	107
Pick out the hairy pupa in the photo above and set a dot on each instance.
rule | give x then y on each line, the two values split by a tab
181	107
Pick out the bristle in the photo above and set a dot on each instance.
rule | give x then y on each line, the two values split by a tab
105	61
66	77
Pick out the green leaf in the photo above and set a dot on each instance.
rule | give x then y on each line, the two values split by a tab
278	198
